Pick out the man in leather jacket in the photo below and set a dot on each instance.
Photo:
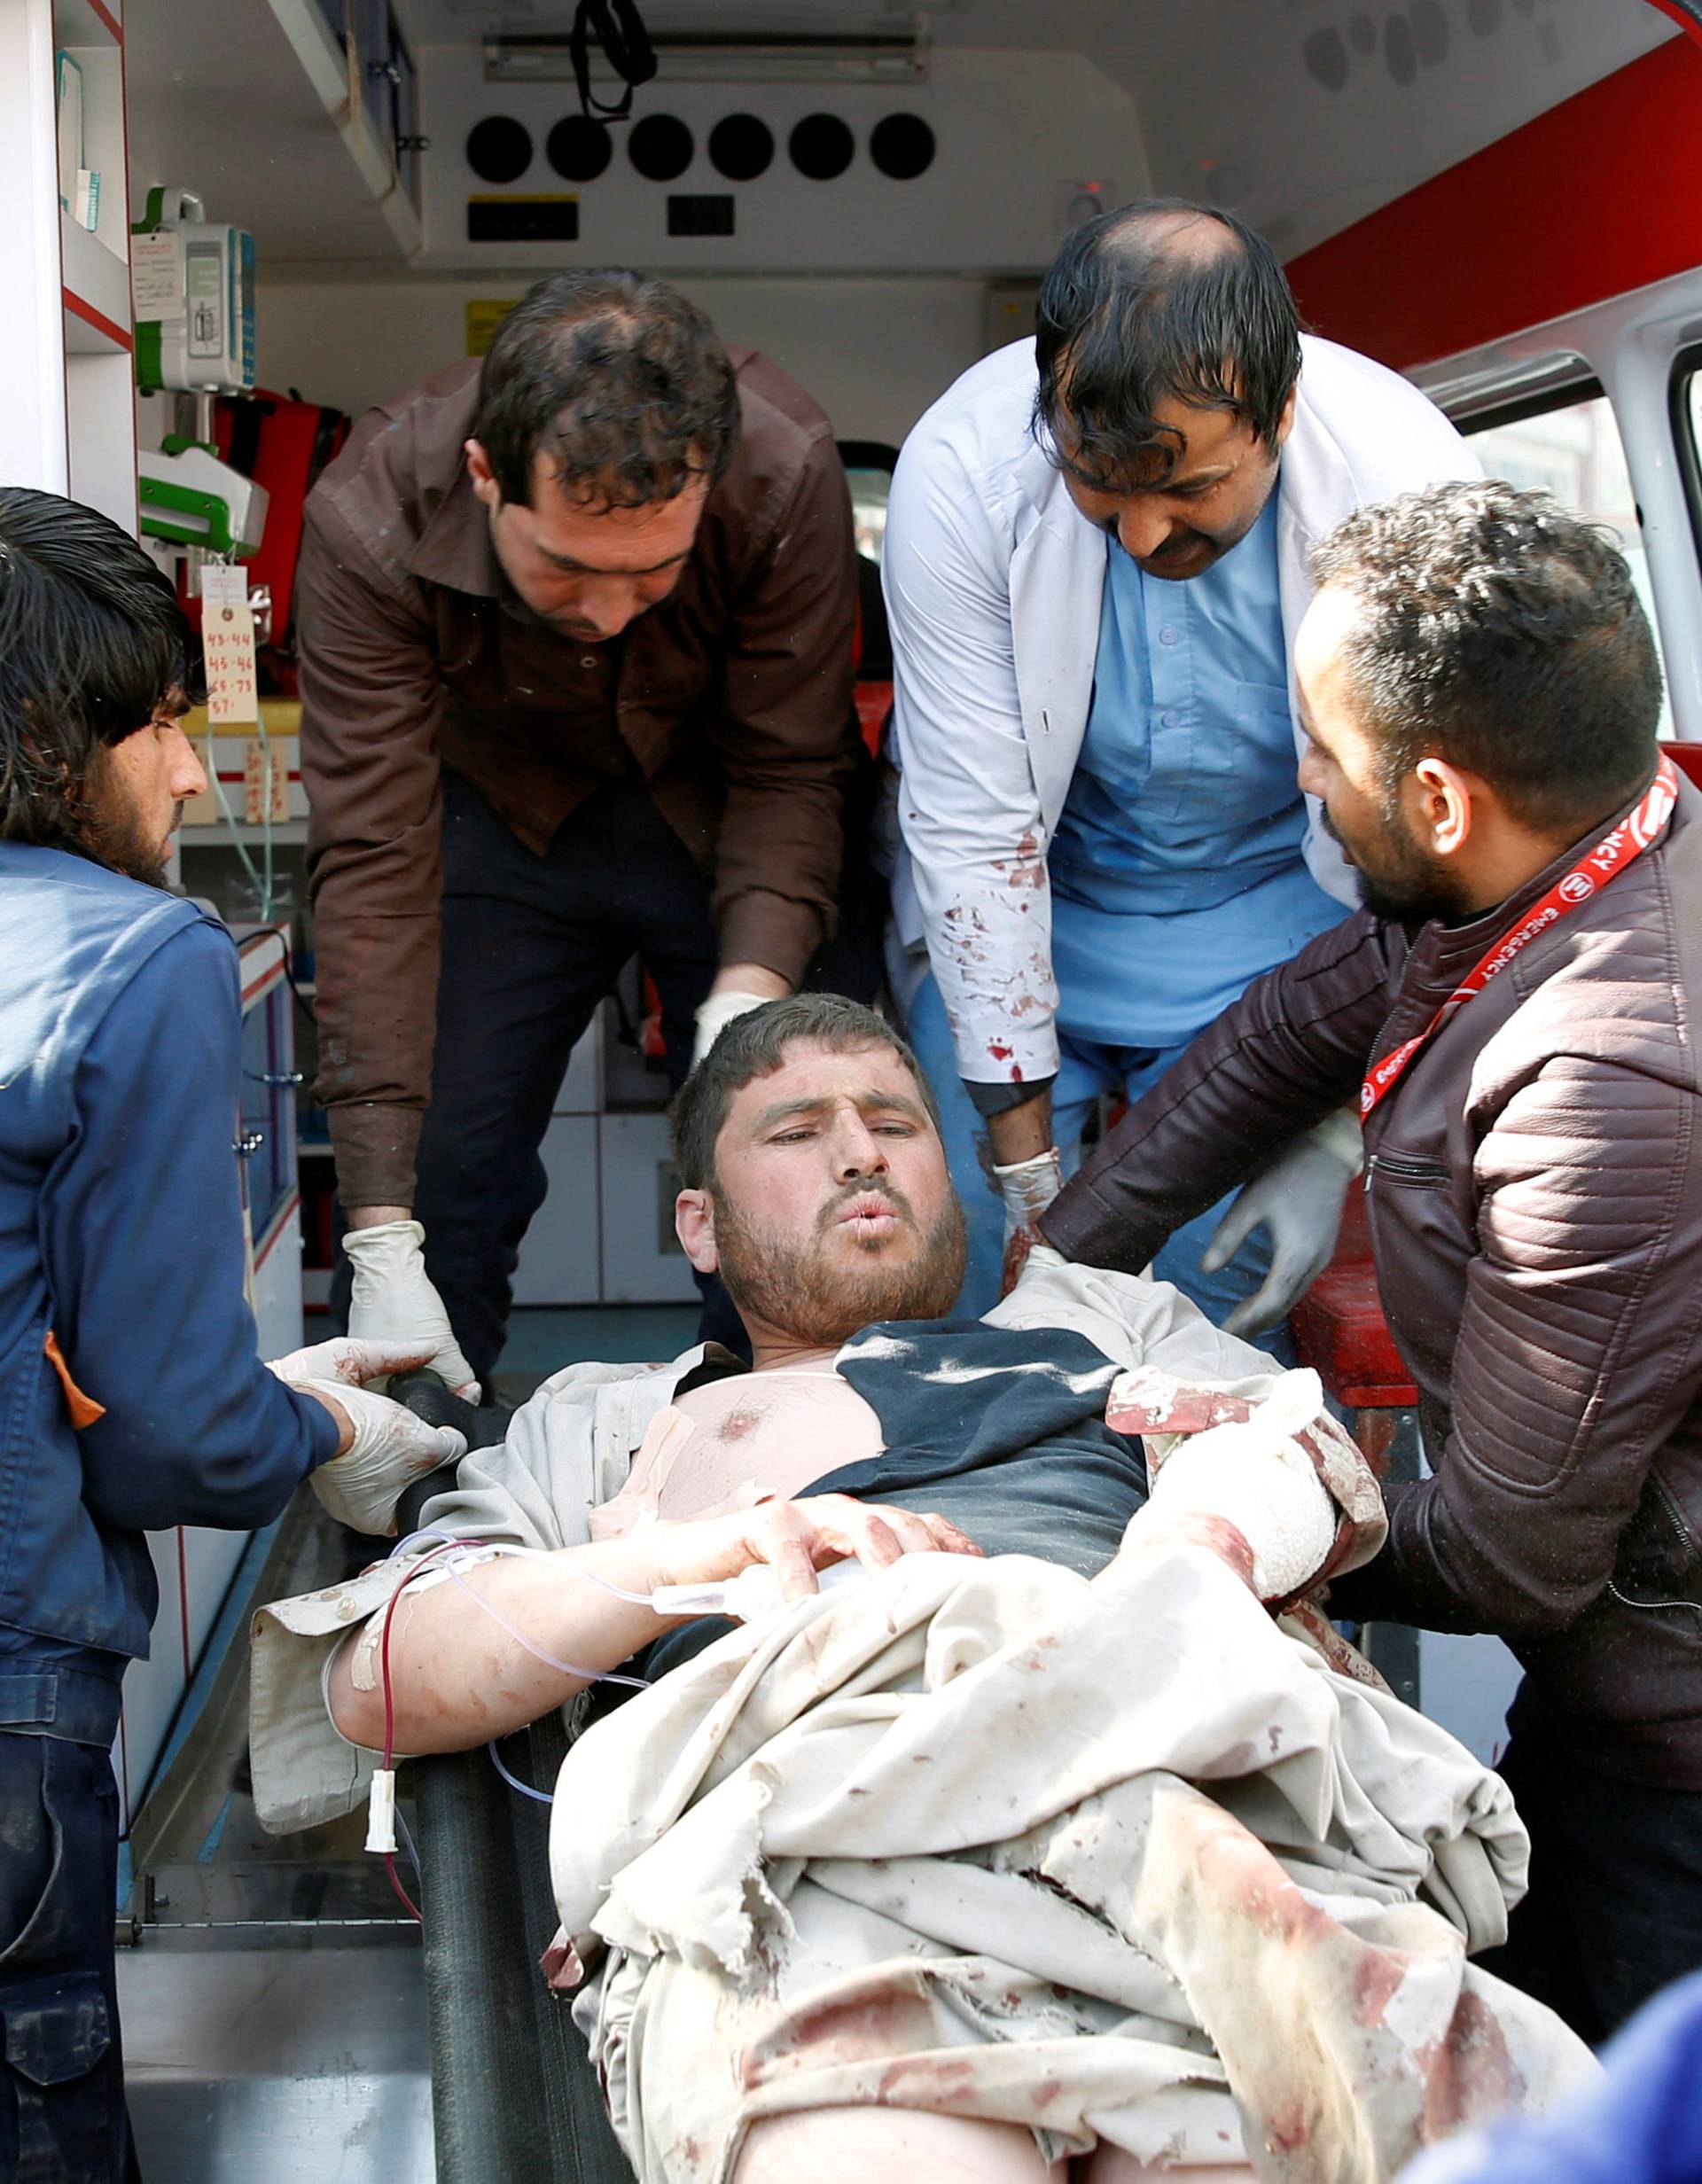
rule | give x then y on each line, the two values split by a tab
1513	1008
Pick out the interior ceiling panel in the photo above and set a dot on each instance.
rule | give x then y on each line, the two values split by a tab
1302	115
219	104
1039	26
1305	116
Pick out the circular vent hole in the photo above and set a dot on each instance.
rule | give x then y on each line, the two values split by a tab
499	148
741	147
660	147
901	146
822	147
579	148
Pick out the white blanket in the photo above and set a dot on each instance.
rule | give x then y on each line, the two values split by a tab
1121	1859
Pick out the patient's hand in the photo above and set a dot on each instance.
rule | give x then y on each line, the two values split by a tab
797	1539
518	1634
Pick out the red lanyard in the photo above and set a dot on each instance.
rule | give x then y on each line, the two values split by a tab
1621	845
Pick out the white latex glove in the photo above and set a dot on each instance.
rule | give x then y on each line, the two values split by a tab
1298	1199
717	1013
1027	1187
350	1364
394	1300
391	1449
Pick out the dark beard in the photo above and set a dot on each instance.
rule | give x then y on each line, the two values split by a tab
120	847
110	834
791	1287
1403	908
1413	896
1409	887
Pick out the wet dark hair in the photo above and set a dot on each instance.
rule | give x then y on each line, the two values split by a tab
754	1045
1503	633
617	381
1158	299
93	646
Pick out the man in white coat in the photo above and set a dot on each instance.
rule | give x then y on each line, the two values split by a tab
1094	568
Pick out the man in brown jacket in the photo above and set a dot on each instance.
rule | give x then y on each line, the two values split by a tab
576	638
1514	1008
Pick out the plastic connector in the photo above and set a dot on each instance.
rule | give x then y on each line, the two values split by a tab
381	1812
754	1593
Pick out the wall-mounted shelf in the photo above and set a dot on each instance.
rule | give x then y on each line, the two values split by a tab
95	282
337	73
88	22
68	399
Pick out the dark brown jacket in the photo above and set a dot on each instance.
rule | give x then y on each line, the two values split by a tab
1534	1187
732	700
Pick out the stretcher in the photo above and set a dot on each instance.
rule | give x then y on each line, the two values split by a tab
513	2093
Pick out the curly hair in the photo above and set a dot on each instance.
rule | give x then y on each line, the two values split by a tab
1503	633
93	646
616	381
1160	300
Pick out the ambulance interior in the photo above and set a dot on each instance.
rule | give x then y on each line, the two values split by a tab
1499	196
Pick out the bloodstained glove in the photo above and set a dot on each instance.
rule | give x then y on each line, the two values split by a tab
390	1450
1027	1187
352	1364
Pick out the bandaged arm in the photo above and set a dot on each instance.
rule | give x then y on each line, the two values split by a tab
1273	1499
1248	1474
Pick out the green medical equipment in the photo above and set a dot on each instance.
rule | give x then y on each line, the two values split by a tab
188	497
193	294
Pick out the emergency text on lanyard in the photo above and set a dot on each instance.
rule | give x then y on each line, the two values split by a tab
1620	845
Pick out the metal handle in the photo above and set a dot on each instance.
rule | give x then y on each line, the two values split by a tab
249	1144
283	1076
383	71
413	143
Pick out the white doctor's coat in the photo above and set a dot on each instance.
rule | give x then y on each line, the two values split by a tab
993	582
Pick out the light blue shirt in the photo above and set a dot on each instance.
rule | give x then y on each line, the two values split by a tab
1176	866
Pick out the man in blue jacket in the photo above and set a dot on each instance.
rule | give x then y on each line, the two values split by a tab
131	1395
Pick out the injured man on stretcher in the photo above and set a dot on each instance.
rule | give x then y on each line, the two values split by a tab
1058	1835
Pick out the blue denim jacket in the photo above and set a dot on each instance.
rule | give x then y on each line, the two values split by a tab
121	1231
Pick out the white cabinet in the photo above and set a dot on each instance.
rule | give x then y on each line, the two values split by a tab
561	1261
641	1259
560	1258
581	1088
604	1235
67	402
153	1688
